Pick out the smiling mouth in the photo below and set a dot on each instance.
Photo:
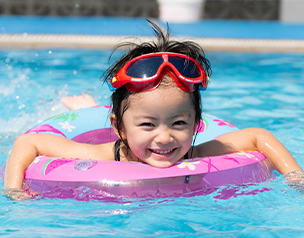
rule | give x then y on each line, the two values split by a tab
162	151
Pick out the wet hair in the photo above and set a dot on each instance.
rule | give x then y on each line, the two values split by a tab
163	43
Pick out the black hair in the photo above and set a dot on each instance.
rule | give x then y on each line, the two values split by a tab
163	43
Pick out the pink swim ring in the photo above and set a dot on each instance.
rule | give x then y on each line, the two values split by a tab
129	179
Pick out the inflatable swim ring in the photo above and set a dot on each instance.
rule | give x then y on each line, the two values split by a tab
133	179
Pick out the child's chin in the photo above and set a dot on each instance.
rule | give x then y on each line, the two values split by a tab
161	164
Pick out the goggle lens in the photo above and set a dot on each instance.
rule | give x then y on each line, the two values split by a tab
144	68
186	67
148	67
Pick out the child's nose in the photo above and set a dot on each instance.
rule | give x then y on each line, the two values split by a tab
164	137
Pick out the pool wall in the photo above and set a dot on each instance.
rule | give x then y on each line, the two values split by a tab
213	9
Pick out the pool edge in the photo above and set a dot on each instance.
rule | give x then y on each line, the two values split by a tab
13	41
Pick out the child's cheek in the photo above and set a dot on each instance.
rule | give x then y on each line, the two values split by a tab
137	141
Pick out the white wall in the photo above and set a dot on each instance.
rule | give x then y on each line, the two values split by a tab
292	11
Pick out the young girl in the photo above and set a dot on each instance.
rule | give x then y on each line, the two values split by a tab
156	109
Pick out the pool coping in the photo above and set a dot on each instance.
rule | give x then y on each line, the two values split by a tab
9	41
107	32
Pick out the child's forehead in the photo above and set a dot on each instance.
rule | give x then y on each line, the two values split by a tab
162	99
165	92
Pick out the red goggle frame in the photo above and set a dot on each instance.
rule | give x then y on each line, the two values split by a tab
145	72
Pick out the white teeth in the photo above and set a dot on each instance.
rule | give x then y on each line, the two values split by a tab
162	151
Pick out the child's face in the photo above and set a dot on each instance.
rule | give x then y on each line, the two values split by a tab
159	125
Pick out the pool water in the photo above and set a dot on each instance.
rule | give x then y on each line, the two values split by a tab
247	89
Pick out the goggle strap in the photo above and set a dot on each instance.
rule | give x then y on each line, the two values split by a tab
201	88
112	89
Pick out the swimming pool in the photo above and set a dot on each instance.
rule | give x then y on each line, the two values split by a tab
247	89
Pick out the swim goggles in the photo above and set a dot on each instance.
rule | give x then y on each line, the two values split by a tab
145	72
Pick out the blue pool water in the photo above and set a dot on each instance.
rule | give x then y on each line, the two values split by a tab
249	90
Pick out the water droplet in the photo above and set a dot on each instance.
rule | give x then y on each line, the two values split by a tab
50	52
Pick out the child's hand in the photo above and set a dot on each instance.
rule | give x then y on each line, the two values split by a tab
295	178
77	102
17	194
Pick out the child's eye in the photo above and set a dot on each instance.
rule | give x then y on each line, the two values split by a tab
179	123
147	124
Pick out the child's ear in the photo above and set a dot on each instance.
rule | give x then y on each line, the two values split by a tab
113	121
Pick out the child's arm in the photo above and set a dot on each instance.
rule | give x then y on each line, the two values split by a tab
251	139
28	146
